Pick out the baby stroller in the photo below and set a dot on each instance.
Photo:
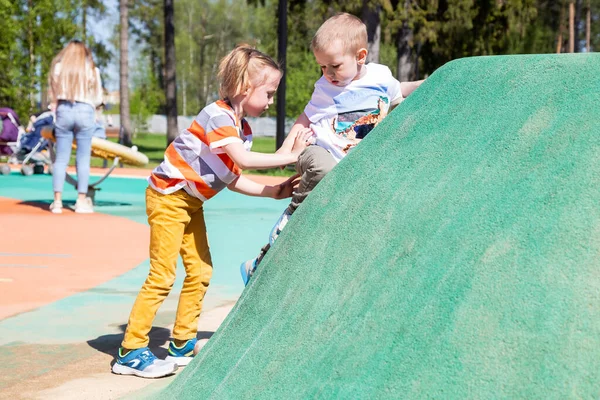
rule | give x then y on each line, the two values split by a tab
29	147
10	129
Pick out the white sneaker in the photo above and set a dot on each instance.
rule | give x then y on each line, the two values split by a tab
84	206
143	363
56	207
279	225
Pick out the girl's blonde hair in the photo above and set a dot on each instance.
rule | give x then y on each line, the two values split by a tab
240	69
77	71
346	28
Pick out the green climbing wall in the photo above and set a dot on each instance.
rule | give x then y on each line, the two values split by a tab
454	254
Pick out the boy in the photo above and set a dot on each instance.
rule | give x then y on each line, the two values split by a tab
349	100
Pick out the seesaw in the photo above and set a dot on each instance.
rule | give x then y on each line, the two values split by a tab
103	149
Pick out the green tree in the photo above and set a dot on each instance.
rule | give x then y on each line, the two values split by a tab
44	27
9	71
146	96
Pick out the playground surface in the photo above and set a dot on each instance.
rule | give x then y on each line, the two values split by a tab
454	254
67	282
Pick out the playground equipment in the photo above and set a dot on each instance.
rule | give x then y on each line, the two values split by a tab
453	254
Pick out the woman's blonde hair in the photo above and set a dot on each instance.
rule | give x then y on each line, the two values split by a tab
240	69
77	71
347	28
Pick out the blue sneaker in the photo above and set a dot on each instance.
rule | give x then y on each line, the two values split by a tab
143	363
181	355
248	268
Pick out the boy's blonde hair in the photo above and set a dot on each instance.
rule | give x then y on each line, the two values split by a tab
243	65
347	28
77	71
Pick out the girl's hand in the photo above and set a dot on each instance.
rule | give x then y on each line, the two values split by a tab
286	189
304	138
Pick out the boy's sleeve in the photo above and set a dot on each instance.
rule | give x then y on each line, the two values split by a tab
320	104
220	131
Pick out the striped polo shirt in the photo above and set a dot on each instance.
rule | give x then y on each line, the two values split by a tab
195	160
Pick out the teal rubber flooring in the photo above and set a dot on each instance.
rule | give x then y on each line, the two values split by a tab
104	309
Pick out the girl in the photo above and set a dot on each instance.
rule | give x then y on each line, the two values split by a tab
75	90
204	159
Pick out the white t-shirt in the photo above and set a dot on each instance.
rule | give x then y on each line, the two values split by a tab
342	116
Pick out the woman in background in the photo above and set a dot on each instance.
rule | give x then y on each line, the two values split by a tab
76	91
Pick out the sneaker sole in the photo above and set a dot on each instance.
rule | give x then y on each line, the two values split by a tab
120	369
244	272
84	211
56	211
180	361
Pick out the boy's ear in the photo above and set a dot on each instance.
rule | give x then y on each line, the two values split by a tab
361	56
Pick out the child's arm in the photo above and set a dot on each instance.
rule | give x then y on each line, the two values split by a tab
408	87
252	160
250	188
302	124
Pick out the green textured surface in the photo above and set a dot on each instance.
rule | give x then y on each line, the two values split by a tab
454	254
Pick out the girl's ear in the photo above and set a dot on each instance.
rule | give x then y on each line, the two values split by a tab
361	56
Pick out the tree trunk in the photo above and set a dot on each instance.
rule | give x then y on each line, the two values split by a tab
170	72
124	73
405	66
84	21
31	45
561	28
588	27
282	42
371	16
44	93
571	27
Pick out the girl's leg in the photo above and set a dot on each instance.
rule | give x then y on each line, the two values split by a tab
168	216
85	124
63	130
198	268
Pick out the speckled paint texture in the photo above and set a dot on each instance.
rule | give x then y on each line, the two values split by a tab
454	254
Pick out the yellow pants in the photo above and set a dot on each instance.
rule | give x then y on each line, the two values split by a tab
176	227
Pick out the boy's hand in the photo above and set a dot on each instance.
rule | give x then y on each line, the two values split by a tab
286	189
304	138
408	87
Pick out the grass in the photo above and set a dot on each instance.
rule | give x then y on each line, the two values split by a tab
154	146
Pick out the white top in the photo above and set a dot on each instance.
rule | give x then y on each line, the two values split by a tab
342	116
94	99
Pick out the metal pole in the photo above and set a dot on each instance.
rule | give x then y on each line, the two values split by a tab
282	55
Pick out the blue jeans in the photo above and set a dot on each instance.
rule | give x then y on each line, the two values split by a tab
73	120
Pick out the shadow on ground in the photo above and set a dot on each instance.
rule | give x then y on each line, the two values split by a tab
45	204
109	344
